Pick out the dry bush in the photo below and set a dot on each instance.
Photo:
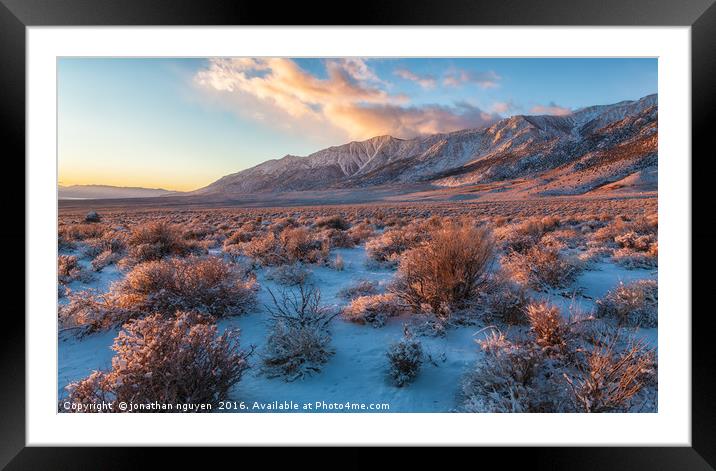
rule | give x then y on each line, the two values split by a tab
205	285
265	249
634	304
87	312
333	222
244	234
523	236
445	272
361	232
404	359
300	246
387	247
502	380
299	342
548	326
609	379
104	259
157	239
105	250
208	286
373	309
631	259
361	288
516	376
632	240
69	270
80	232
505	301
542	267
289	275
336	238
338	263
293	244
171	361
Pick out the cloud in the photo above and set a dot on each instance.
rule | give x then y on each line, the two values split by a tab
459	77
408	121
425	81
503	107
552	108
350	102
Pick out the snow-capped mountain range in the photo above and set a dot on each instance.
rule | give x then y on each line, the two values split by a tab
587	150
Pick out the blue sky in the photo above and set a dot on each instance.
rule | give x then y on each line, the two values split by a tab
182	123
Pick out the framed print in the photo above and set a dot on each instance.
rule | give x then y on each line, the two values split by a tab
450	225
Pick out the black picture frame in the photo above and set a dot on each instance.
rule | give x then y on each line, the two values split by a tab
700	15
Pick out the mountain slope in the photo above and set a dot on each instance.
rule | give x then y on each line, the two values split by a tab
108	192
572	154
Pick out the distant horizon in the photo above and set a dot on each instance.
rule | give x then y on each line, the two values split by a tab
181	124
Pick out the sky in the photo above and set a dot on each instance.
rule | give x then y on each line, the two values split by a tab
181	124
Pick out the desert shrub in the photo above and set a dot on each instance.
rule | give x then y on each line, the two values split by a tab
632	240
289	275
637	235
548	326
337	238
208	286
105	250
104	259
299	342
609	379
629	258
387	247
197	232
205	285
373	309
157	239
505	301
87	312
93	216
361	232
338	263
446	271
404	359
633	304
542	267
299	245
80	232
265	249
334	222
516	376
361	288
69	269
525	235
243	234
179	360
502	380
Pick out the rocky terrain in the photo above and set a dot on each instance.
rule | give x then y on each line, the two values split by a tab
596	148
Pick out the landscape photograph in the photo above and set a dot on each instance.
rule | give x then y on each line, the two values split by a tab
357	235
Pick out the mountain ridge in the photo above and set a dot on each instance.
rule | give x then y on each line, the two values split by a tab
585	150
95	191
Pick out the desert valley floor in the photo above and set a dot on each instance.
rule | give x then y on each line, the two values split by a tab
582	257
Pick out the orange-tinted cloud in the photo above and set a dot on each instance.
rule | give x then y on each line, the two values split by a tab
425	81
351	101
552	108
407	121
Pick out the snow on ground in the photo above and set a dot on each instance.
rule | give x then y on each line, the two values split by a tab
357	372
